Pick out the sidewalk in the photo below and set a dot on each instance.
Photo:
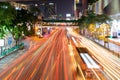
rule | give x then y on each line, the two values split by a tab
11	50
7	60
115	41
112	45
23	43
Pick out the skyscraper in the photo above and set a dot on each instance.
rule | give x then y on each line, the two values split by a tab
50	8
80	7
58	8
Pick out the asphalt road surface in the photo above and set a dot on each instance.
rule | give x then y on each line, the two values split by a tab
47	60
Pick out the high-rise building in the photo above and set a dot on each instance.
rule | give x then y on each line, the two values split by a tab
58	9
77	8
98	7
80	7
53	8
113	10
50	10
113	7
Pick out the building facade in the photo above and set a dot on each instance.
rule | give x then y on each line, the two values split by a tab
113	10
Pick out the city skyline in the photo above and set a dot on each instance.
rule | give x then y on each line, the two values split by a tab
60	8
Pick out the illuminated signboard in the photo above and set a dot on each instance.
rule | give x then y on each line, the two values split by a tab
1	42
77	1
68	15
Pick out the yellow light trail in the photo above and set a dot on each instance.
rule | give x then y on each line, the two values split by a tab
109	62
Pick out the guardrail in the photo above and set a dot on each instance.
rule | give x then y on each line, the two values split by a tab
6	52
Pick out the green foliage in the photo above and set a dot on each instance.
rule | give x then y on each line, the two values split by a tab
3	31
23	17
15	21
16	33
7	13
84	21
102	18
92	18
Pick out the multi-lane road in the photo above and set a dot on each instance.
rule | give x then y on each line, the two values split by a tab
109	63
47	60
55	58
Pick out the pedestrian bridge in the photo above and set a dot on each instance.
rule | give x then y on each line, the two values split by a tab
60	22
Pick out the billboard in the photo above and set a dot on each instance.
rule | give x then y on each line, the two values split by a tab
2	42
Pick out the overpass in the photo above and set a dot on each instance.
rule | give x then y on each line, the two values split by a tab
60	22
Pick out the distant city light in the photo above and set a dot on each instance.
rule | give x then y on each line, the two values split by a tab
17	8
36	4
77	1
5	7
68	15
51	3
67	18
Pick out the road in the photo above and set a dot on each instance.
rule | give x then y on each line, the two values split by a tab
55	58
49	59
106	59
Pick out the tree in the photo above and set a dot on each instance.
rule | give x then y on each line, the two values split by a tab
35	10
85	21
25	18
2	31
17	34
92	18
101	18
15	21
7	14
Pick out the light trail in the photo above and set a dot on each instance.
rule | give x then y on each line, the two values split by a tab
75	64
106	59
50	55
95	74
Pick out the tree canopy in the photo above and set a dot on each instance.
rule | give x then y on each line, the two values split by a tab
7	15
16	21
92	18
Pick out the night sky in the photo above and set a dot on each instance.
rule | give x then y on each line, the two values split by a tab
65	6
